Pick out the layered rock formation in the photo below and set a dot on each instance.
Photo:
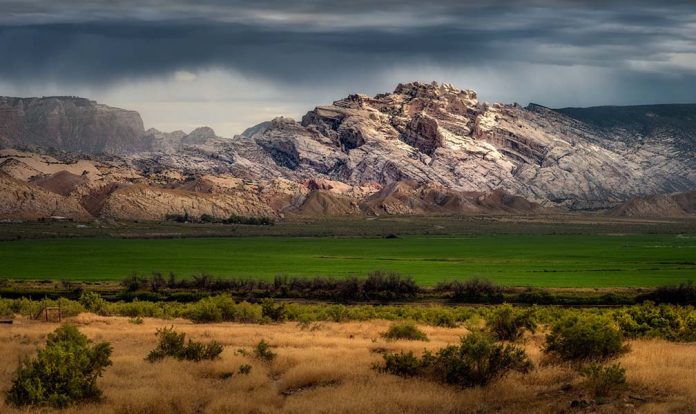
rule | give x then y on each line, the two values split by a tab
436	134
422	149
21	201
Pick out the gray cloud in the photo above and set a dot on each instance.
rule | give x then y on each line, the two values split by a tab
555	52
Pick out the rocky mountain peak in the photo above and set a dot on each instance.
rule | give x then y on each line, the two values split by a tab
200	136
432	90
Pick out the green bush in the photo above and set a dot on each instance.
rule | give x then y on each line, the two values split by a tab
68	307
173	344
93	302
204	311
63	373
406	330
508	324
603	381
273	311
650	320
583	337
222	308
689	333
262	351
212	309
477	361
248	313
443	319
404	364
6	309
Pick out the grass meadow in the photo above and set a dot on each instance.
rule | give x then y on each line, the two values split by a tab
326	368
574	261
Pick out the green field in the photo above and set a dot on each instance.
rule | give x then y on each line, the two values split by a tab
515	260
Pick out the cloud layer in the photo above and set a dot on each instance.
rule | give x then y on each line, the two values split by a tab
251	58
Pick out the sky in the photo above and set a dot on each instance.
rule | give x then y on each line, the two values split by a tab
232	64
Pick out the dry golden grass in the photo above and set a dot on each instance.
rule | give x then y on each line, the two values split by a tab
326	368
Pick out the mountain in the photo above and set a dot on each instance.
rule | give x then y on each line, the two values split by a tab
421	149
70	124
437	134
639	124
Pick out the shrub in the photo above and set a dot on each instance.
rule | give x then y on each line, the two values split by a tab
136	321
507	324
213	309
404	330
254	221
244	369
69	307
649	320
603	381
584	337
172	344
684	293
443	319
204	311
273	311
179	218
475	290
157	282
134	282
262	351
63	373
689	333
207	218
403	364
477	361
93	302
6	309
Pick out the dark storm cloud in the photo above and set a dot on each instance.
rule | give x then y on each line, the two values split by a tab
646	46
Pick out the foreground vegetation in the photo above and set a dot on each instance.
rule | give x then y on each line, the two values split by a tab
323	366
580	260
648	320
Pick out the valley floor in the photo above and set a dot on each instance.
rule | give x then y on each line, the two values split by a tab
326	368
608	260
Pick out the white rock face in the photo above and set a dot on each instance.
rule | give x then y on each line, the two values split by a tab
437	134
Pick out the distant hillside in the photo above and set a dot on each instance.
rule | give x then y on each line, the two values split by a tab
676	122
70	124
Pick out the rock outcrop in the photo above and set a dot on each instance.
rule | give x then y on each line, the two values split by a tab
422	149
23	201
436	134
140	202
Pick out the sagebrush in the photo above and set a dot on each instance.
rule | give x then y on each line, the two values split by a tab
63	373
173	344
